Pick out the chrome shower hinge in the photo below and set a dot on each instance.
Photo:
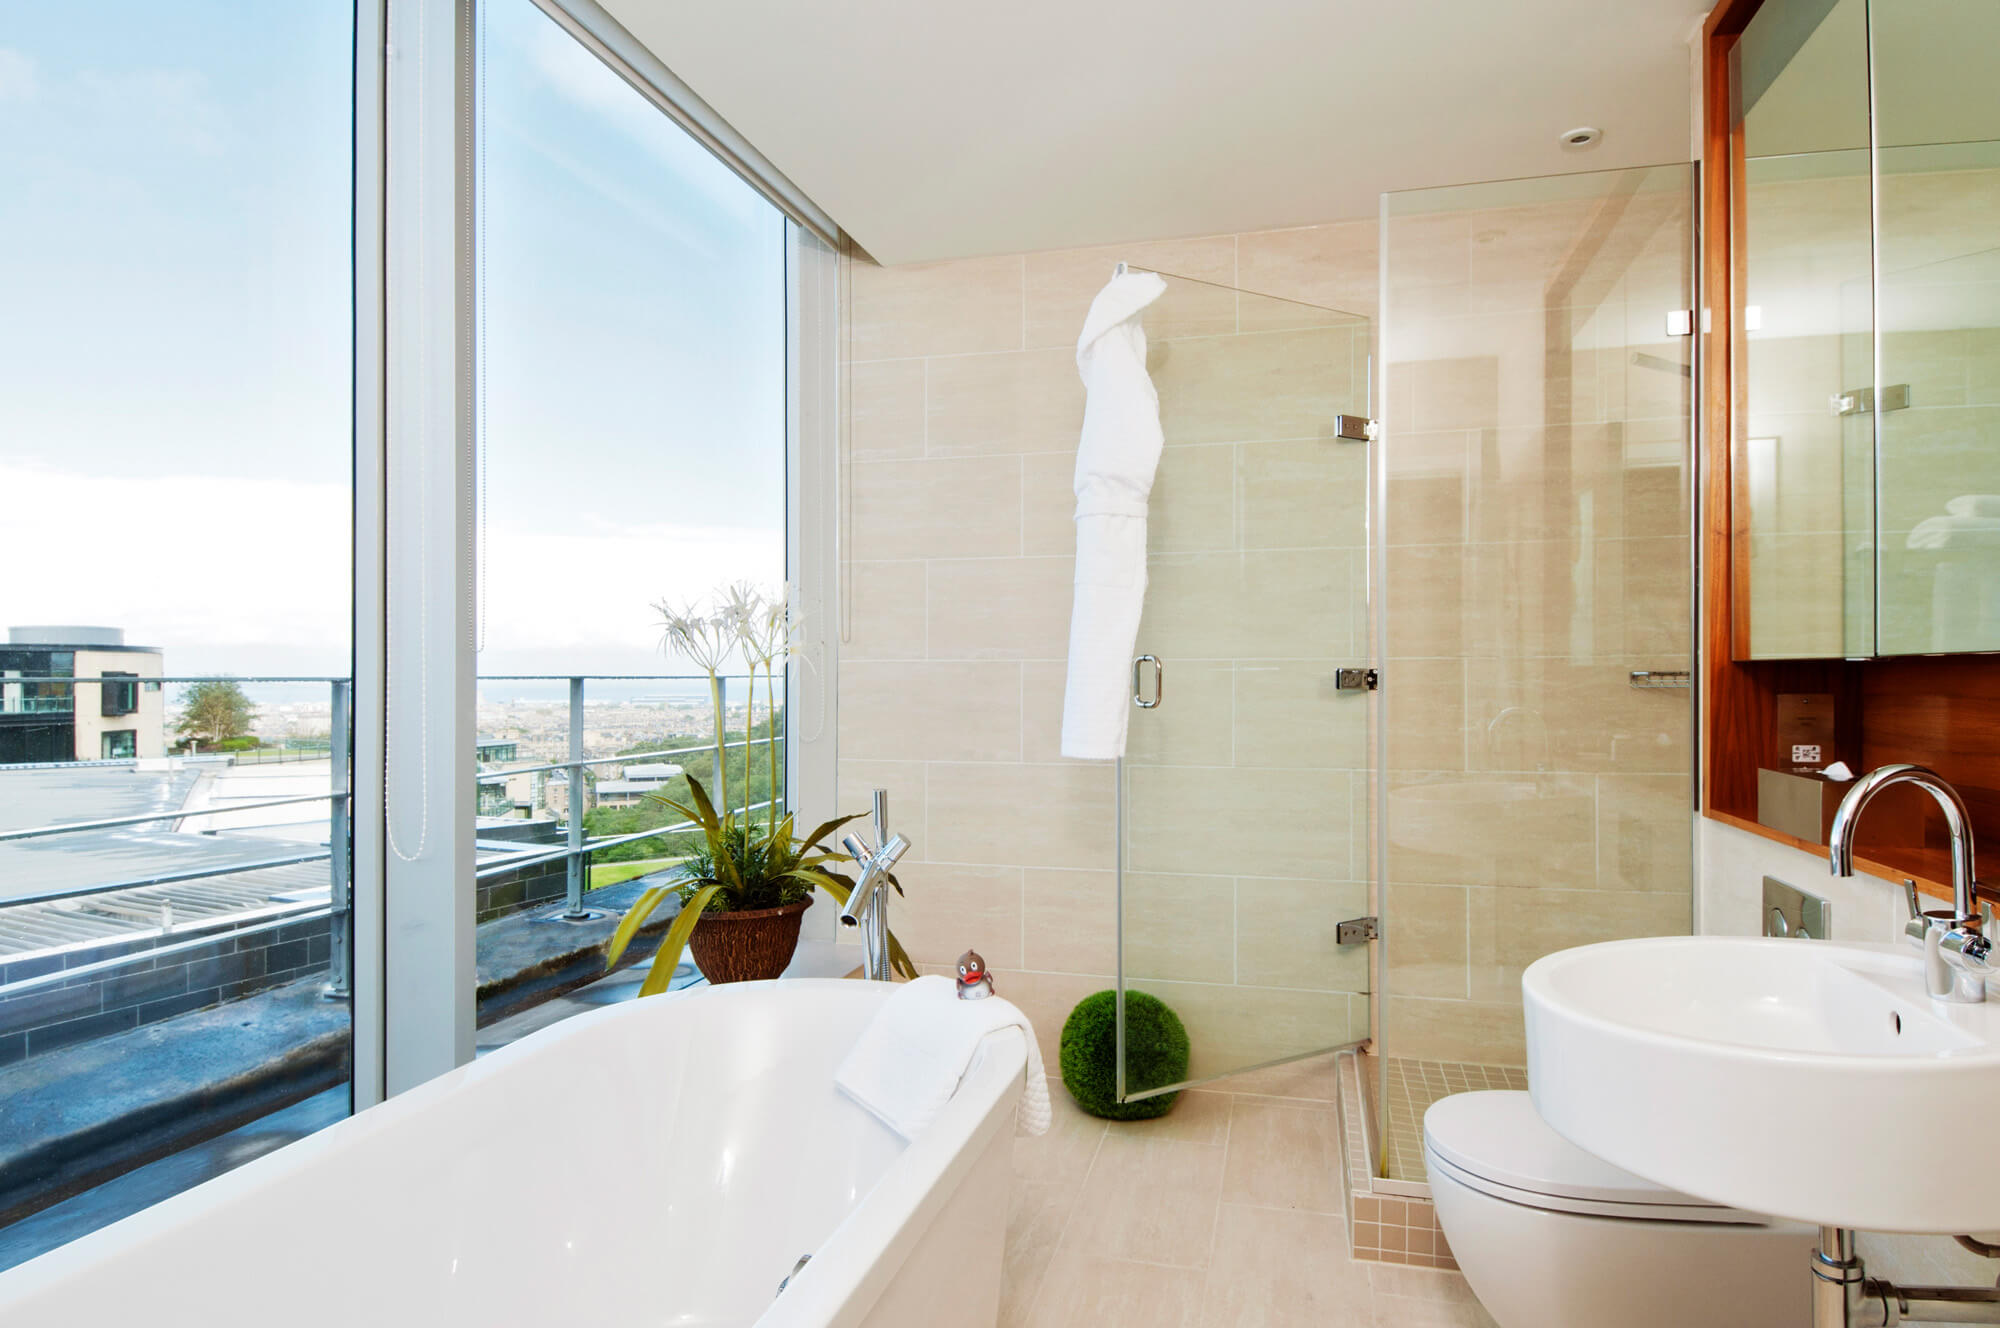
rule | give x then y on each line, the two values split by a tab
1353	428
1356	680
1356	931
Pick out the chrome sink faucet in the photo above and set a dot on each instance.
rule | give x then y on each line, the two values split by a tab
1957	954
867	904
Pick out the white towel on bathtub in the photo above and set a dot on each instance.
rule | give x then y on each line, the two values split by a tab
912	1056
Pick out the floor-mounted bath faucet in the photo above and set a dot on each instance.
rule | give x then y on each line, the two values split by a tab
1957	955
868	903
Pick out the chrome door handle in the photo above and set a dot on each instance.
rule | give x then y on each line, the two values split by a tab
1159	682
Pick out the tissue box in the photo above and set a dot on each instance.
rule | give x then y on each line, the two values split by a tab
1799	802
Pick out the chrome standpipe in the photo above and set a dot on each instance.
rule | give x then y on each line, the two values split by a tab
1844	1296
867	904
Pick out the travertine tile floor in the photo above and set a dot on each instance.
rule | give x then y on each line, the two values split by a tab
1227	1213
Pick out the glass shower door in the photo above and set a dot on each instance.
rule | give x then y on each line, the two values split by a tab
1244	836
1538	642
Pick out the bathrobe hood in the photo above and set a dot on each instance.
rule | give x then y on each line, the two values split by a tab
1120	447
1116	458
1124	297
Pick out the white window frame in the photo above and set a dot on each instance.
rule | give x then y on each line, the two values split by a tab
415	267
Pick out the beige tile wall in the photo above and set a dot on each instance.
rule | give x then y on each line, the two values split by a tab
963	411
1538	545
1537	535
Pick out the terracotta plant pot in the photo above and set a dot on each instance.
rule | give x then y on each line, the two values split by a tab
751	946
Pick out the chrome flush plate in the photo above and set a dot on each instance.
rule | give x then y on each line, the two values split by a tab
1789	911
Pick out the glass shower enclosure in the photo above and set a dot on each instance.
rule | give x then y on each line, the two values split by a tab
1244	800
1509	552
1537	540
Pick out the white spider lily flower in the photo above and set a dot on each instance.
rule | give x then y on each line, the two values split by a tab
765	631
704	639
740	604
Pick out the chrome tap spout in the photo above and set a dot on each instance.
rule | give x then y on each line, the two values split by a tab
867	903
1957	954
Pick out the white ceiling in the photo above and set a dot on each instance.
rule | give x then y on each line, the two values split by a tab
942	128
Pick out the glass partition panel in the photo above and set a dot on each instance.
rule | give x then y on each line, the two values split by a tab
1804	469
1937	128
1245	793
633	355
1538	642
176	465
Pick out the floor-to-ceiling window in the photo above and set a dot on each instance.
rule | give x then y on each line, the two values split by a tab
281	408
176	627
633	332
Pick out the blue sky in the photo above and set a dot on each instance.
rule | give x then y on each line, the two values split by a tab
174	328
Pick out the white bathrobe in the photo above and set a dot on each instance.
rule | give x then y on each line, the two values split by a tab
1115	462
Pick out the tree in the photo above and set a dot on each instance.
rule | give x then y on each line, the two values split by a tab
215	711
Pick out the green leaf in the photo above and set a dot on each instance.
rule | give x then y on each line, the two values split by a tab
899	958
778	845
827	881
668	957
687	813
635	918
812	840
723	851
781	833
707	819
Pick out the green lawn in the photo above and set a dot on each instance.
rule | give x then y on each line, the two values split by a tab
613	873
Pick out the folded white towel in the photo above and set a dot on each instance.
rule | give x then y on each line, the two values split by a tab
1975	504
913	1054
1954	533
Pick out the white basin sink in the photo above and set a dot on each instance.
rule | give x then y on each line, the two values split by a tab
1805	1079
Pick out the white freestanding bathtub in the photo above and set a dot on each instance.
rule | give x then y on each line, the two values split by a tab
663	1162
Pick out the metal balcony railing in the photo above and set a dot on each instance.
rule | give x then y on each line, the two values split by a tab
34	705
575	849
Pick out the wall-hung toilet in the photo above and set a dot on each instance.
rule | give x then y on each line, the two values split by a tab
1549	1236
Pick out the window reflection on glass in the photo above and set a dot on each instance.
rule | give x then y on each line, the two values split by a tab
175	467
1937	184
1802	244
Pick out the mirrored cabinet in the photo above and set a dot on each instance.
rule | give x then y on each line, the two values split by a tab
1864	253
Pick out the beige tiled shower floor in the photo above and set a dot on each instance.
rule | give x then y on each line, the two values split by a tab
1408	1089
1226	1213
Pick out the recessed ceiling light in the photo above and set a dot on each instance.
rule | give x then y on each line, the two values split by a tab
1576	140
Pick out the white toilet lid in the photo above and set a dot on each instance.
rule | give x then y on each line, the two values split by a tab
1499	1137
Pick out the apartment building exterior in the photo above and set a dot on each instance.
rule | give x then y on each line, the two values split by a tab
45	715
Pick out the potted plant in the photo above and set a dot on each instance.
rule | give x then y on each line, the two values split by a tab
744	892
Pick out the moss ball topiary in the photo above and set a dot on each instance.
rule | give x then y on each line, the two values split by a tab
1156	1052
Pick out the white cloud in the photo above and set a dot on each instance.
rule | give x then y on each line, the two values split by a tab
248	574
205	565
18	79
588	594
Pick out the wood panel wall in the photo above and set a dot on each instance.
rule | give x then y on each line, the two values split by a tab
1940	711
